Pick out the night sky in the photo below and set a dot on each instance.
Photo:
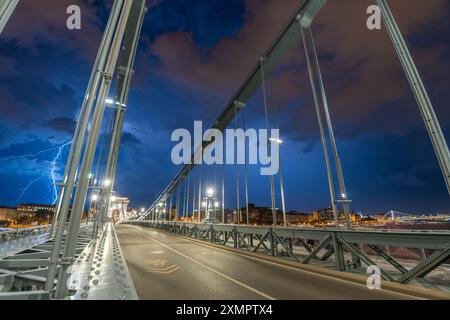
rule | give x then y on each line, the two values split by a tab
192	57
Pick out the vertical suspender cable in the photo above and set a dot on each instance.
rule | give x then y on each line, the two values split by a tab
342	188
223	185
238	209
275	114
322	132
266	113
245	169
186	214
199	217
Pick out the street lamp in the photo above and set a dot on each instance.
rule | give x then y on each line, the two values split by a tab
210	204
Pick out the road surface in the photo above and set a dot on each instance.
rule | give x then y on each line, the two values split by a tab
167	267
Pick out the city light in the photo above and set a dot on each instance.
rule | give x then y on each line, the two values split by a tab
216	204
343	196
210	191
94	197
107	183
113	198
109	101
142	210
204	204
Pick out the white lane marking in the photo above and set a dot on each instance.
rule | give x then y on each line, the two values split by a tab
156	252
299	270
209	268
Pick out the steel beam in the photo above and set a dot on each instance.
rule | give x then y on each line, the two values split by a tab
426	266
88	156
65	196
124	77
6	10
354	250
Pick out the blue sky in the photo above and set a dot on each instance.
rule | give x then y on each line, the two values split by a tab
193	55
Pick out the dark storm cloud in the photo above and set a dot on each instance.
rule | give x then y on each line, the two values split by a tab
40	21
356	64
62	124
130	139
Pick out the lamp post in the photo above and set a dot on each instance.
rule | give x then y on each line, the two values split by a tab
210	204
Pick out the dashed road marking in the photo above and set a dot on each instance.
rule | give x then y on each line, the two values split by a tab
209	268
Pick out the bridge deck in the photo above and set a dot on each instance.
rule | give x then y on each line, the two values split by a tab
164	266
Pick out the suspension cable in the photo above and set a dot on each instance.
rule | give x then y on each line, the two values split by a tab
276	126
238	210
272	182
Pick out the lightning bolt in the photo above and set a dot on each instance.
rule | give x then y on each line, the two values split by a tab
50	173
54	168
28	186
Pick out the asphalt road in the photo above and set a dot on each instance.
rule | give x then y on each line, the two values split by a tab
166	267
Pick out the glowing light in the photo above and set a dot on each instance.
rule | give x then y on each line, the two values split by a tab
109	101
107	183
142	210
94	197
343	196
210	191
203	204
278	141
113	198
216	204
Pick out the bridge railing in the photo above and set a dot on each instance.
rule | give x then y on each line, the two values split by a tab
16	240
324	246
20	233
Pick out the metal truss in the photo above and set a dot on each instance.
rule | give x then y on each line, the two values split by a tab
23	274
100	271
318	246
15	241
